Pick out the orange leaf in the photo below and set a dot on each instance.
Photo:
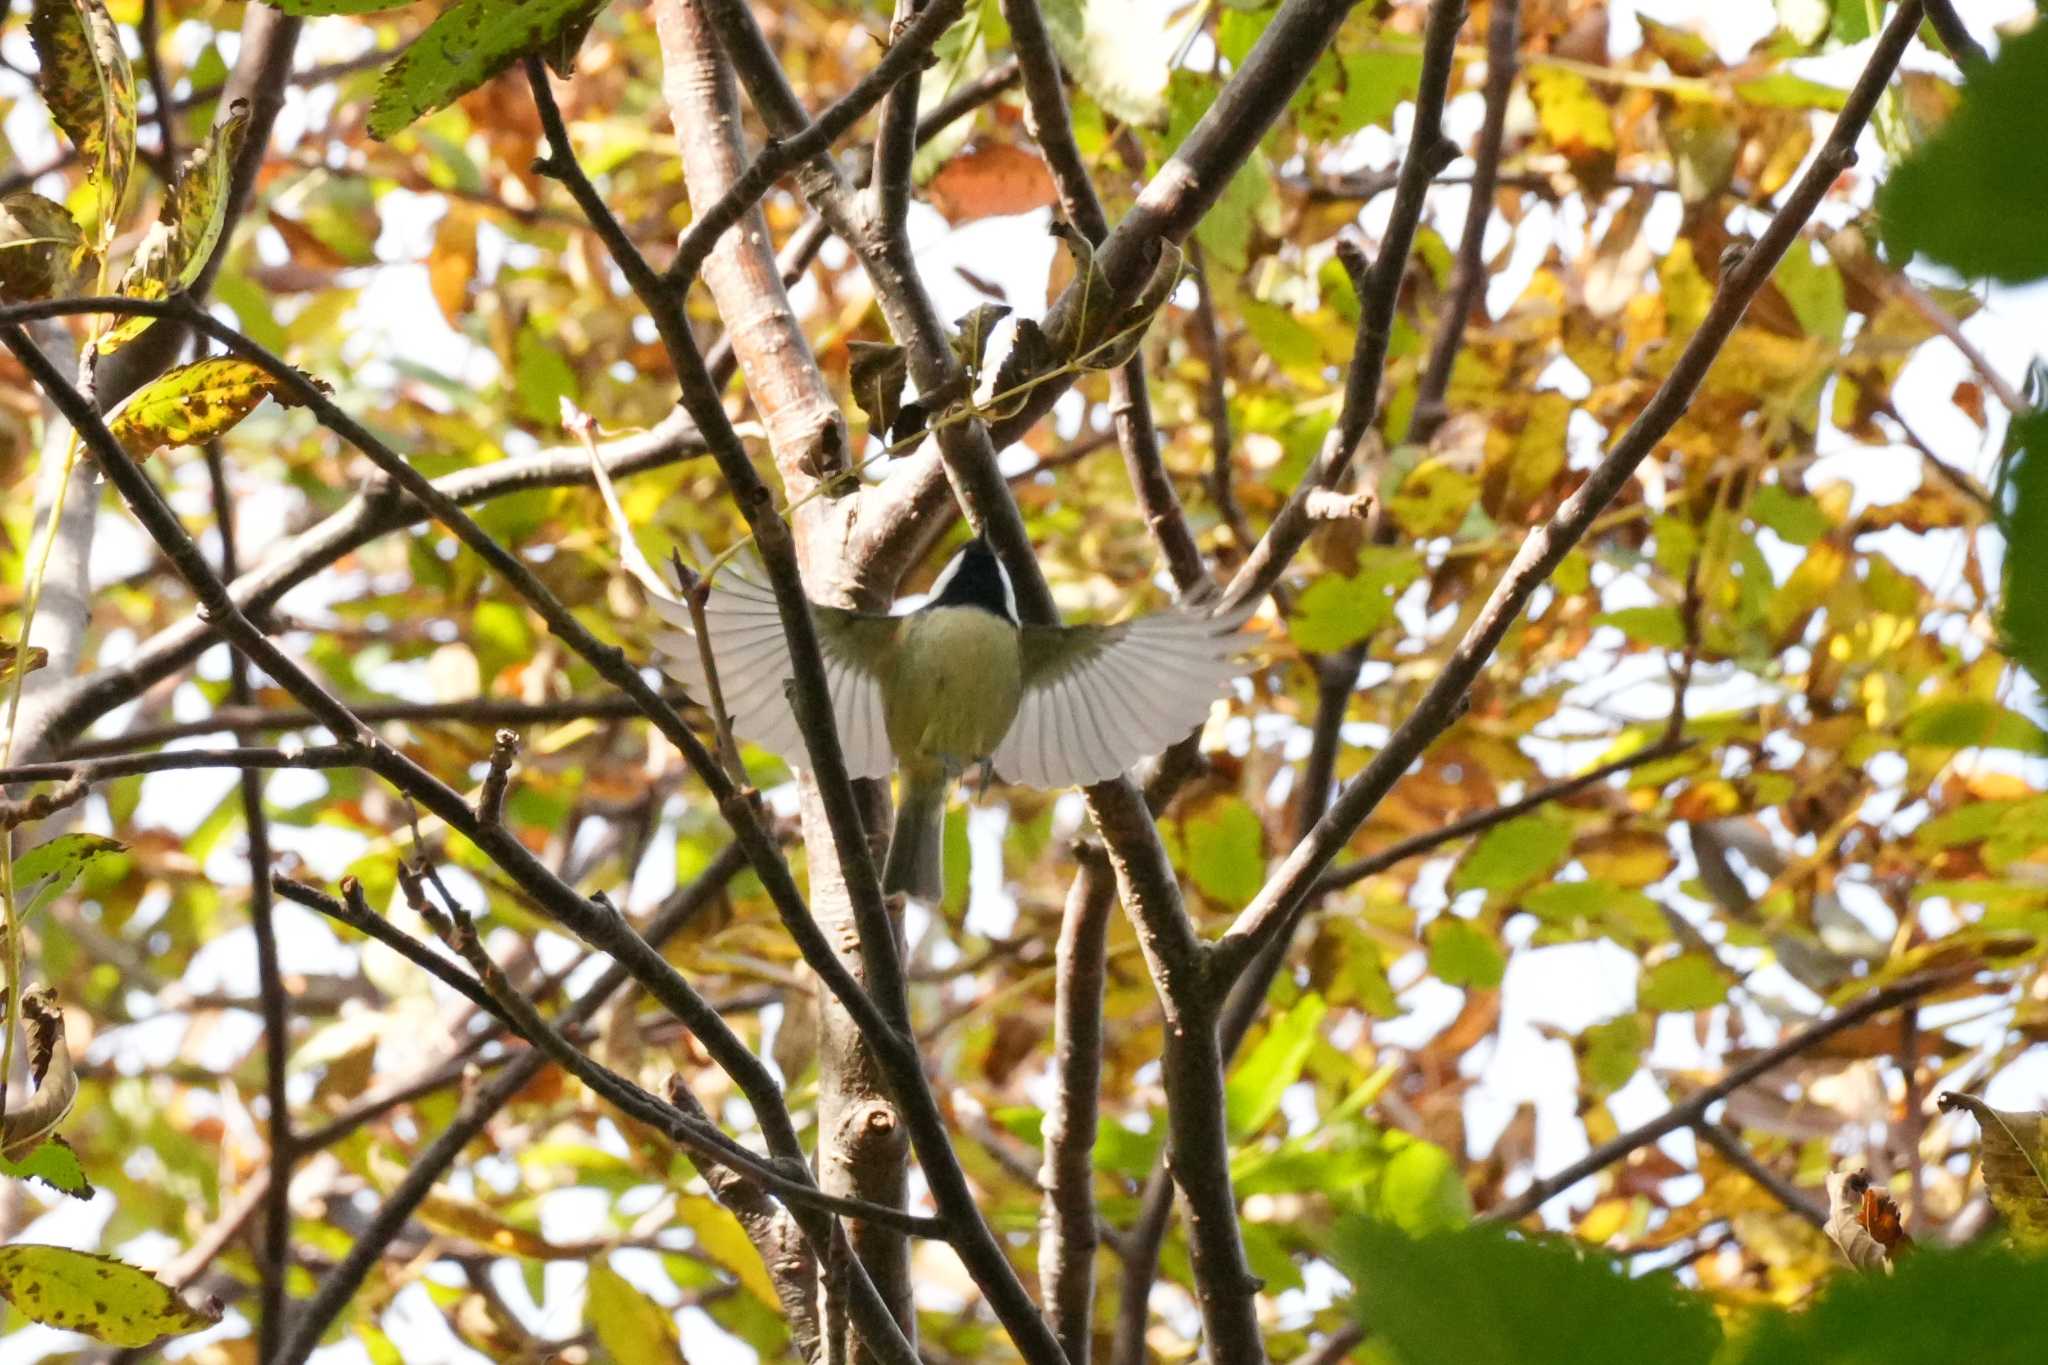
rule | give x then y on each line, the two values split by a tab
994	179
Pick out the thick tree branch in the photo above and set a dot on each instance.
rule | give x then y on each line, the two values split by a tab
883	1015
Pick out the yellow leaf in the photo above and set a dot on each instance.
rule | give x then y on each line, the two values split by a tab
193	403
108	1300
629	1325
2015	1161
720	1236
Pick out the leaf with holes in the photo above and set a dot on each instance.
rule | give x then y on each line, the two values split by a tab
187	228
108	1300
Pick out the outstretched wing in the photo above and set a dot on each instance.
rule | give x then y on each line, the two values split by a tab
751	653
1099	698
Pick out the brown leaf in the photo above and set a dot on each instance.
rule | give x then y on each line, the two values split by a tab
993	180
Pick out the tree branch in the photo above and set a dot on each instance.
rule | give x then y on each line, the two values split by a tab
1547	545
1067	1218
1379	292
1736	1153
1692	1109
274	1252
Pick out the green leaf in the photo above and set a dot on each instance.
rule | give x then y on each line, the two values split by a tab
1814	289
1259	1080
1783	90
1974	195
1348	91
1480	1296
468	44
629	1325
89	88
2023	516
1690	981
1980	1305
108	1300
42	249
1118	53
1659	626
194	403
48	870
1461	953
1852	20
187	227
1512	854
54	1163
2015	1162
1610	1052
1336	613
541	378
1796	518
1966	723
1226	852
1284	337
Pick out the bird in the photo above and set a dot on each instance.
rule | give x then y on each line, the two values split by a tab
959	682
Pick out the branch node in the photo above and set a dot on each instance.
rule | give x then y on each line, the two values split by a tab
491	803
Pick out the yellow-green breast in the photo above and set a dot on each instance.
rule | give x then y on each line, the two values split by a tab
954	684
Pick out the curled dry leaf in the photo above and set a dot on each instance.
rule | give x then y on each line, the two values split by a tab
56	1084
1863	1220
187	228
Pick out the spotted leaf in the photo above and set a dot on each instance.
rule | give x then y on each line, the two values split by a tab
108	1300
194	403
89	88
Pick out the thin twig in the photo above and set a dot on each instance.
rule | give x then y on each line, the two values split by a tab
1067	1217
1736	1153
274	1252
1694	1107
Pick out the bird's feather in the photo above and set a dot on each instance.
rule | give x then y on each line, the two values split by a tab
1099	698
751	652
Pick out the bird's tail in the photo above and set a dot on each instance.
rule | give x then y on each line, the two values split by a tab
917	848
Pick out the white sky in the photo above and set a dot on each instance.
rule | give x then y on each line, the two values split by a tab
1566	987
